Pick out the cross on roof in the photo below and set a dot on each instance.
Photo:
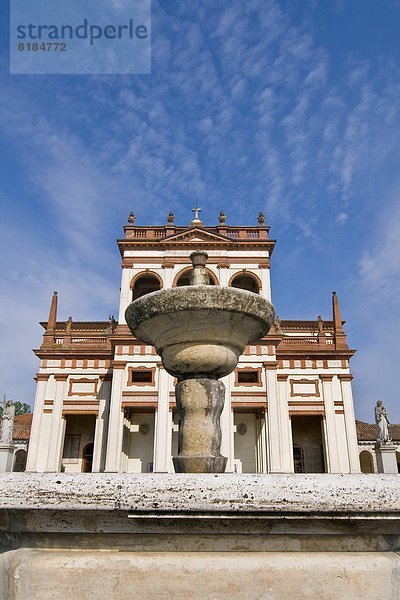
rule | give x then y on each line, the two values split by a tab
196	211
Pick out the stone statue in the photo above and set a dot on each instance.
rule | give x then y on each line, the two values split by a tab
170	217
277	325
7	425
320	324
112	323
69	324
261	218
382	420
131	218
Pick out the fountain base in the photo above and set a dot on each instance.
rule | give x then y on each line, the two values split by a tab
200	464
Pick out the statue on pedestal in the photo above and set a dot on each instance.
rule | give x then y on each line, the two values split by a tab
382	420
7	424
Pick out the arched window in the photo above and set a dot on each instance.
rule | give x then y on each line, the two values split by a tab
244	281
19	461
183	278
366	462
144	284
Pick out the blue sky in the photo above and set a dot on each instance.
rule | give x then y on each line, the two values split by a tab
289	107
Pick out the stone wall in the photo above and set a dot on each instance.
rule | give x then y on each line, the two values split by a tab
199	536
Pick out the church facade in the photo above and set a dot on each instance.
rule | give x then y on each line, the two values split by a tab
104	402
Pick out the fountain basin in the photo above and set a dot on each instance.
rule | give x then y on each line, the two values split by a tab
200	330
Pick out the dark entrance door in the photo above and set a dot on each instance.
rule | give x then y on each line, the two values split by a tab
87	458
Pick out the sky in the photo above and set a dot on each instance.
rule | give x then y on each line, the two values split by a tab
287	107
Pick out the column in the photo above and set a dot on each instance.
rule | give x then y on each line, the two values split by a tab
331	445
57	427
163	425
34	441
116	417
280	451
227	442
350	422
100	437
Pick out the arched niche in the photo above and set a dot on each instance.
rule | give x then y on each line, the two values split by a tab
366	462
144	283
246	281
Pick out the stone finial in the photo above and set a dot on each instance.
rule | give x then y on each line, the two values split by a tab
199	275
222	218
131	218
261	218
170	217
320	324
69	324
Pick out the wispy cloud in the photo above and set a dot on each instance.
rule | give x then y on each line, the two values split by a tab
248	108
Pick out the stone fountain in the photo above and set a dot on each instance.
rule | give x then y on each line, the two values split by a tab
200	331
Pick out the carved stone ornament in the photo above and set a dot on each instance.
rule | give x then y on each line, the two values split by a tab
144	428
222	218
241	429
261	218
131	218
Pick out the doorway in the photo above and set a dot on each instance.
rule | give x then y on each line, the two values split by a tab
87	458
308	449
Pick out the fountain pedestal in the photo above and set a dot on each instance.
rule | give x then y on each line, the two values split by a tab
200	403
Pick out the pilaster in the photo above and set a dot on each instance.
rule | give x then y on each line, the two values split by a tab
227	443
264	273
331	446
115	424
262	443
163	425
279	434
223	274
34	442
100	437
350	422
56	436
168	275
126	295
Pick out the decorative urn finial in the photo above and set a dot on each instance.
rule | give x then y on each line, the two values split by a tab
222	218
131	218
261	218
170	217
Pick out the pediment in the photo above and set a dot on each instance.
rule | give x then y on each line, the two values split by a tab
195	235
